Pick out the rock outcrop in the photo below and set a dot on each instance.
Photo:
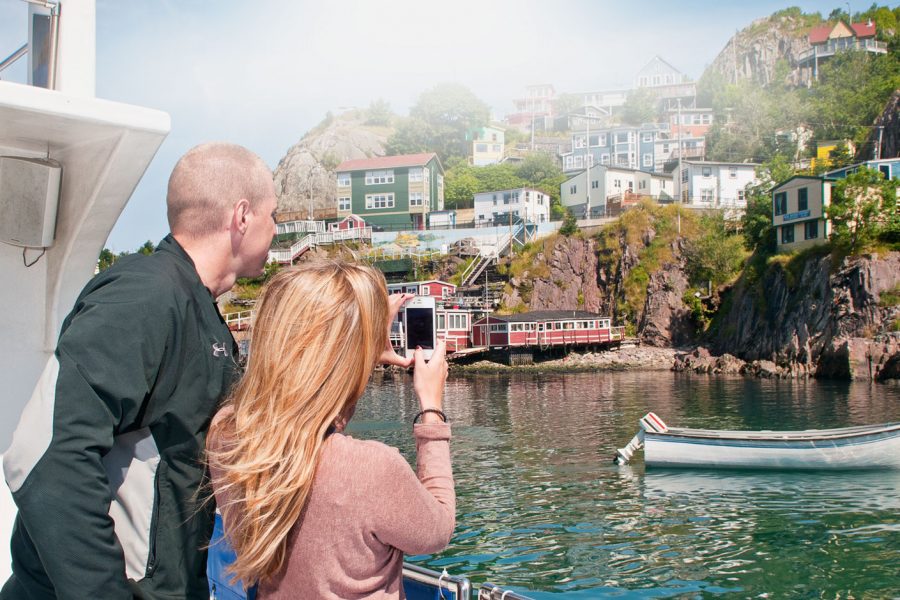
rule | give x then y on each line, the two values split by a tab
665	320
816	322
753	53
304	178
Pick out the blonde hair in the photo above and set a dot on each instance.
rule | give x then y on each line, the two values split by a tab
317	335
207	181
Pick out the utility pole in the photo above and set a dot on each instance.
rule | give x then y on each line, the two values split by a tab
680	174
878	146
587	168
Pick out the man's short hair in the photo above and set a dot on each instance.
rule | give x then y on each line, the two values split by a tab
207	182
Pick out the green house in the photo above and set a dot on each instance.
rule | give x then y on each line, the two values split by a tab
391	192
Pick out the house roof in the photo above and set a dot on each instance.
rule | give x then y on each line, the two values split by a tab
386	162
546	315
790	179
820	34
659	59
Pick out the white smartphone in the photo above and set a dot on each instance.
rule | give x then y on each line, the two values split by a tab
419	325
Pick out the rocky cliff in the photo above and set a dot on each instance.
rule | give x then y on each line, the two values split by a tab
753	53
597	274
306	173
808	319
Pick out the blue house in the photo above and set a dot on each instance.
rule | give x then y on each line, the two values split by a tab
632	147
890	167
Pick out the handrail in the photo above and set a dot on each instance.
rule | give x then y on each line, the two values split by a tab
12	58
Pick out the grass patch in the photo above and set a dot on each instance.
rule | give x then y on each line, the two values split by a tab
889	298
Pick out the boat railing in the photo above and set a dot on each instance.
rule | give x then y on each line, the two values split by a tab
420	583
489	591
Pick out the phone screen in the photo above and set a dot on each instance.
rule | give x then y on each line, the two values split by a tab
420	328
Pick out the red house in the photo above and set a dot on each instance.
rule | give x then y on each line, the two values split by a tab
545	328
348	222
441	290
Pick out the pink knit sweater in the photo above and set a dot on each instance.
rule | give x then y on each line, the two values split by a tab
366	509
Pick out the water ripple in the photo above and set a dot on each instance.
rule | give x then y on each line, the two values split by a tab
542	509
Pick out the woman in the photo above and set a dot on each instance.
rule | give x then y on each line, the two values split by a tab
310	511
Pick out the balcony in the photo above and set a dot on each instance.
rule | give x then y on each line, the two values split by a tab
841	45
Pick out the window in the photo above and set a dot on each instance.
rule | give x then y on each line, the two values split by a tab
604	159
495	148
379	177
579	141
648	160
595	184
441	322
648	137
481	147
601	139
379	201
621	138
344	203
684	175
573	189
665	148
493	137
706	171
569	162
787	234
617	183
579	162
707	195
415	175
885	170
415	199
740	196
780	203
642	184
802	199
732	172
343	179
811	230
456	321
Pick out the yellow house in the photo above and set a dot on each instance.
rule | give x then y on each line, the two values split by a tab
798	212
824	149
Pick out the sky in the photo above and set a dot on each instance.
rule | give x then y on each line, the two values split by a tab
263	73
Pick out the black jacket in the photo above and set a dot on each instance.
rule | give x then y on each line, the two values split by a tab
106	463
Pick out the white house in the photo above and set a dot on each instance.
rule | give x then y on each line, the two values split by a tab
612	189
527	203
707	184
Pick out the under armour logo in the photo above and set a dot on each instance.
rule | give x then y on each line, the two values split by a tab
219	349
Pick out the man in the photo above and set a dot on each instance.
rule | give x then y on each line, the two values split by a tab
106	464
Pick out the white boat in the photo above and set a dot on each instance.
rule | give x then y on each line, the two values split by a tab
102	149
861	447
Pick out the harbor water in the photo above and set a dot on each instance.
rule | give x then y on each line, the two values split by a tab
542	509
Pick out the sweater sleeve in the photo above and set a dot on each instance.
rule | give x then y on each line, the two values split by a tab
105	365
417	512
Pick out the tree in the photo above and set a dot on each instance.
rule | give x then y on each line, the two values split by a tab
863	206
411	136
440	121
379	113
106	259
570	225
640	107
538	166
147	248
757	219
715	256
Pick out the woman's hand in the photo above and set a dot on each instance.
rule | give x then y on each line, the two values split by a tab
389	356
428	380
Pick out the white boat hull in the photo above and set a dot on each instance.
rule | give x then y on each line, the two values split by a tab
872	447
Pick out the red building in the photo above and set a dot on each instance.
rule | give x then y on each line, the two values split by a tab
348	222
433	287
545	328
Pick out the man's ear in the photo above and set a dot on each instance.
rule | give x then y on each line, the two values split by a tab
240	216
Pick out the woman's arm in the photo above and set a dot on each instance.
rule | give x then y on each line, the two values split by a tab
418	513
